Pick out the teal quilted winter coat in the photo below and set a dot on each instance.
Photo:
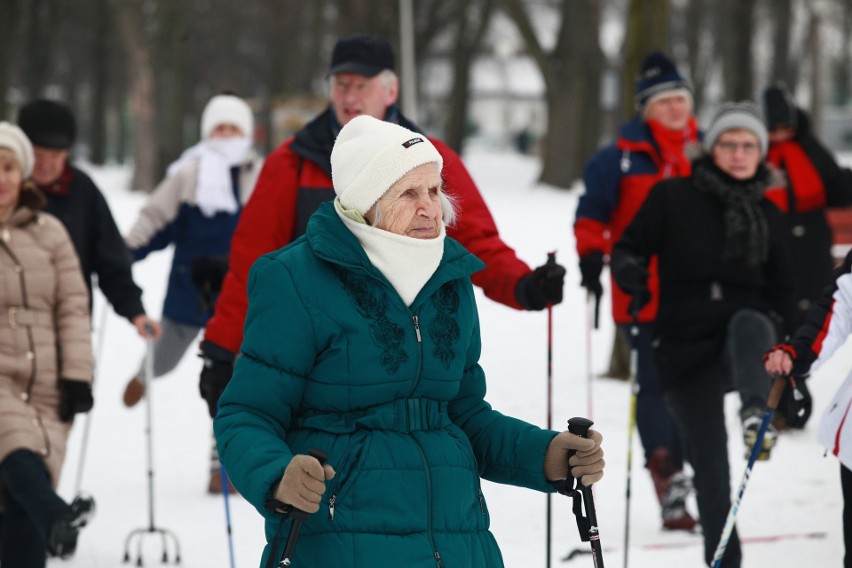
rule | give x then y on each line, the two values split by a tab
333	359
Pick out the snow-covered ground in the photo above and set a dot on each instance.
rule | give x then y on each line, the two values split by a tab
795	493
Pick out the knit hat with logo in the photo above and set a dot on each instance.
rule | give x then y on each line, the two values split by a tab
370	155
658	77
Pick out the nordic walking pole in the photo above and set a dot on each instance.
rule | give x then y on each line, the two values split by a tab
631	420
592	307
225	496
771	406
551	259
580	427
84	445
298	517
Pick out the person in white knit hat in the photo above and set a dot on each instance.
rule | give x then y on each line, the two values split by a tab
362	342
46	367
296	178
196	208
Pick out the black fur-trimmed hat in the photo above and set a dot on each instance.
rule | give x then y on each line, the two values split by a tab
49	124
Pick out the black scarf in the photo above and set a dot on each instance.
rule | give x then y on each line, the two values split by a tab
746	229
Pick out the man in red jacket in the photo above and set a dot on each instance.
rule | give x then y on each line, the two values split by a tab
296	178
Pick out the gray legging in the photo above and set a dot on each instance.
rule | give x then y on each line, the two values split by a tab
169	349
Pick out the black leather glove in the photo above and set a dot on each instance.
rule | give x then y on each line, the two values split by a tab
217	371
74	397
631	275
591	266
541	287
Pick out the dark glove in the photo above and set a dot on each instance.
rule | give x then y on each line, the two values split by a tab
795	406
591	266
631	275
541	287
208	273
217	371
74	397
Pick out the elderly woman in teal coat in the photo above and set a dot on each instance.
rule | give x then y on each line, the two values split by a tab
362	340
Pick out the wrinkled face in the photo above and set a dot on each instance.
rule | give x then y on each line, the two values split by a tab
226	130
49	163
353	94
737	153
10	183
672	112
412	206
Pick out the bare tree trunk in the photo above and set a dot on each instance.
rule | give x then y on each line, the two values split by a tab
696	36
647	31
571	99
141	93
100	83
44	22
815	51
8	24
782	15
844	62
169	86
467	44
736	43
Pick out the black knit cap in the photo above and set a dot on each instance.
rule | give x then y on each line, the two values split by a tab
657	75
49	124
366	55
778	107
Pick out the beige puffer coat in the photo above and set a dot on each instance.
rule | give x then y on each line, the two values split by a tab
45	334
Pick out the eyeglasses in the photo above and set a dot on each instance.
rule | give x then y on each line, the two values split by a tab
731	147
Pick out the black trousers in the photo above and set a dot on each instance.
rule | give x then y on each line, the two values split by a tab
846	485
31	505
698	406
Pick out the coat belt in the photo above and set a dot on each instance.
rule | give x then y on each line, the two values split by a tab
401	415
22	317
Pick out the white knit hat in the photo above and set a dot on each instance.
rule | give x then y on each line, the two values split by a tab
227	109
370	155
744	115
13	138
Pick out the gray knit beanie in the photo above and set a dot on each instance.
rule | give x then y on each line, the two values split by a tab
744	115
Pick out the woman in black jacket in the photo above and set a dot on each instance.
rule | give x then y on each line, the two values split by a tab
726	287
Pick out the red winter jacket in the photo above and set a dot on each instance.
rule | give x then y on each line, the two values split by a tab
296	178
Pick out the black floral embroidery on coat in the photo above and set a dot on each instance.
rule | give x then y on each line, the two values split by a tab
371	302
444	329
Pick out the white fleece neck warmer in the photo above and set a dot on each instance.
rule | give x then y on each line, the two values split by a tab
406	262
216	156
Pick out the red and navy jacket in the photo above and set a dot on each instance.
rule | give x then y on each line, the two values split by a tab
296	179
617	179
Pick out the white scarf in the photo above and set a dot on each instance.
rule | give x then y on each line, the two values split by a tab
406	262
216	156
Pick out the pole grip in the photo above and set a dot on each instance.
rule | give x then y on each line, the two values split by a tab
776	391
579	426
